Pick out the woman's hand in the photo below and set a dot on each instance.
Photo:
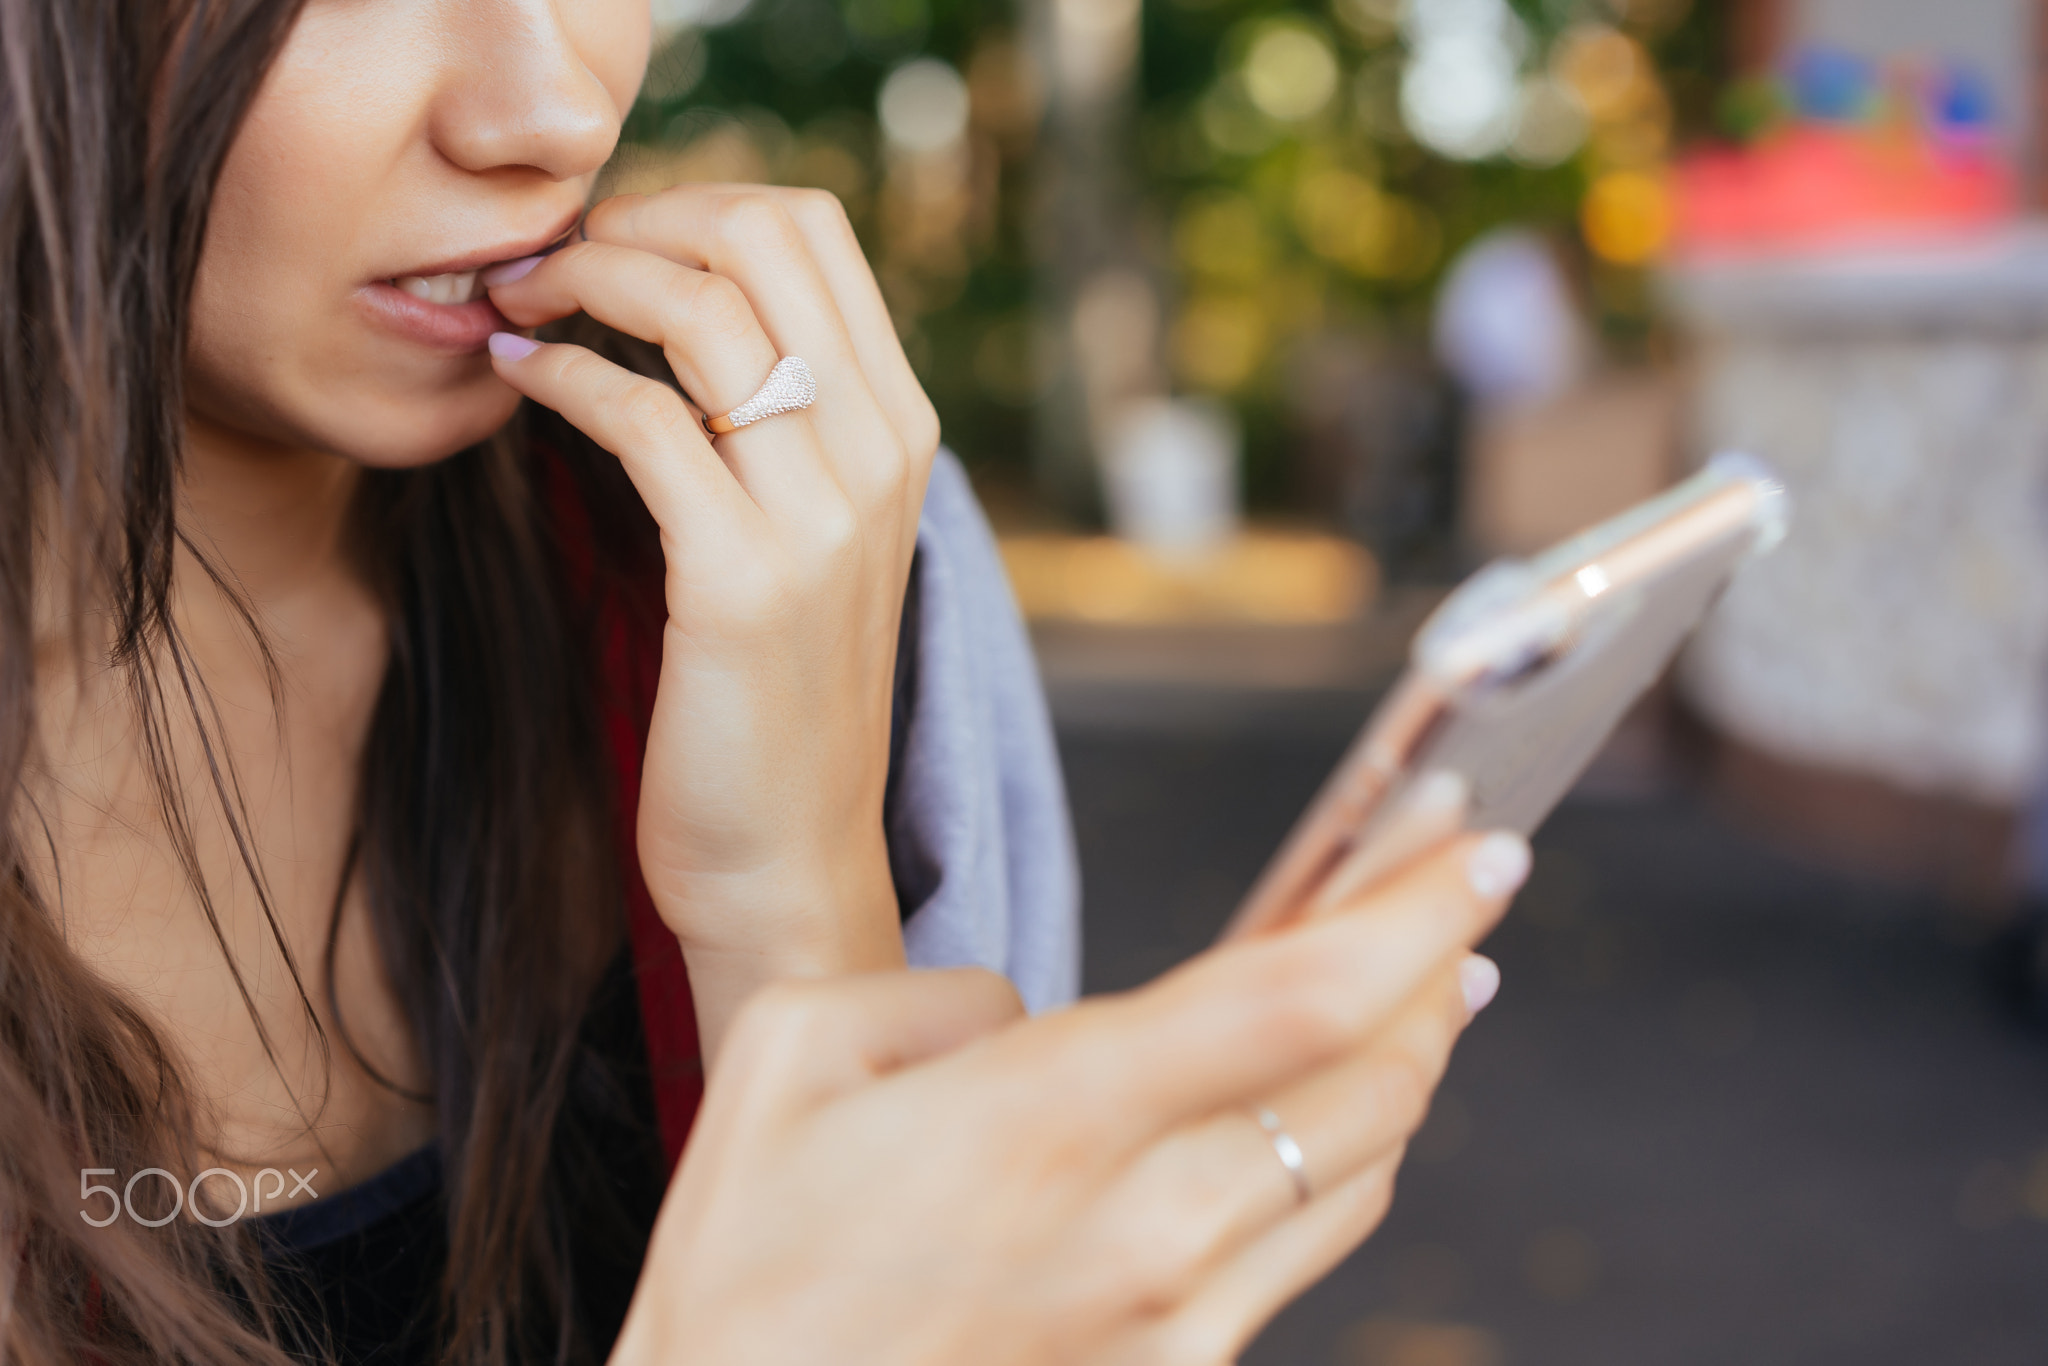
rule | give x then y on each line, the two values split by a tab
788	547
898	1169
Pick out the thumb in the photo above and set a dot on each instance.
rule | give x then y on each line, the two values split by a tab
822	1038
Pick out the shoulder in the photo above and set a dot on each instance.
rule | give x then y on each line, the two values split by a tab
951	511
955	540
979	819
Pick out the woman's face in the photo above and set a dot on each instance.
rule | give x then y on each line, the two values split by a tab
398	146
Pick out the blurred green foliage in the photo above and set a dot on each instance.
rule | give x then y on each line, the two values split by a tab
1262	228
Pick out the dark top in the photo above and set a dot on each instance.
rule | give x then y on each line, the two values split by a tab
982	850
359	1272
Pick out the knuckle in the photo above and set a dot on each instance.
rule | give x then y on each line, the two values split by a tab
1311	1027
823	213
645	409
577	368
1306	1015
574	258
921	431
571	365
837	528
607	215
716	306
887	487
1375	1196
1198	1340
1141	1276
1062	1054
1403	1090
812	202
756	221
1171	1255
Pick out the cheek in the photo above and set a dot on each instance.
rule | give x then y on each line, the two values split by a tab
259	292
329	170
306	171
276	348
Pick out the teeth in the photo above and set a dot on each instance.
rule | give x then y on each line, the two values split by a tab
460	288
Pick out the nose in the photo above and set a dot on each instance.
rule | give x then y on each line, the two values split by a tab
518	93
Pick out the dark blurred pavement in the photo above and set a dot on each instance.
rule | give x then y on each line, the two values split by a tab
1728	1108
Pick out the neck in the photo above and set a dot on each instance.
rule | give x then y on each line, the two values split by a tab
159	883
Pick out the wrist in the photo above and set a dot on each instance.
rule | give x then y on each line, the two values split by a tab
834	915
740	932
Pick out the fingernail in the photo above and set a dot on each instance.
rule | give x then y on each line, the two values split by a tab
512	346
505	272
1480	978
1438	792
1500	864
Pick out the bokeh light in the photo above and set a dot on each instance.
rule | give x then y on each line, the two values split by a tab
1290	73
1460	88
676	67
1231	123
1550	123
672	15
1371	22
1298	173
1223	238
1346	219
1603	66
923	106
1627	217
1219	341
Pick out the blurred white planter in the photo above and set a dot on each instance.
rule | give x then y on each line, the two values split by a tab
1170	474
1901	632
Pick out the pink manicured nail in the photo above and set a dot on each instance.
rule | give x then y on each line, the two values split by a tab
1500	865
1480	977
505	272
512	346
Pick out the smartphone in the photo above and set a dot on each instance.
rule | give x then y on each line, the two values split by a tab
1522	673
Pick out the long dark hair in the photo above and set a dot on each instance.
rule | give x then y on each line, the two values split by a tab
485	839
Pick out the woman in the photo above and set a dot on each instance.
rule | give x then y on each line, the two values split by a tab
327	593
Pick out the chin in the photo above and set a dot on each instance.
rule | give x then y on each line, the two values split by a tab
410	432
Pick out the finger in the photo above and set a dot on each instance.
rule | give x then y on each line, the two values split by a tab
1248	1018
793	251
750	236
836	249
798	1045
707	330
1268	1270
644	423
1223	1315
704	324
1214	1185
1351	1115
1423	817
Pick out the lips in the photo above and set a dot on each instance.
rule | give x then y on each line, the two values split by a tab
455	287
446	306
462	328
